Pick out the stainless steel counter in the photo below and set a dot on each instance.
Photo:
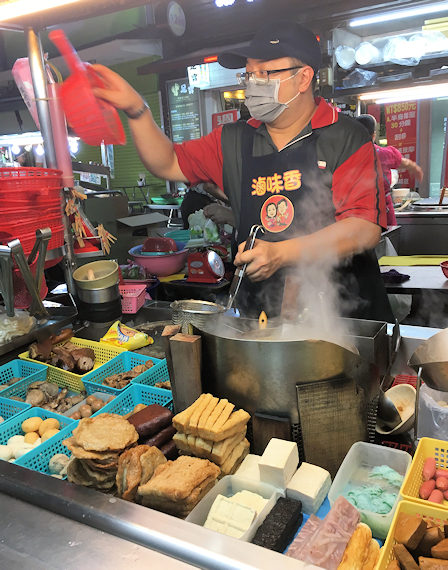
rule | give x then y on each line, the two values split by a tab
423	232
46	516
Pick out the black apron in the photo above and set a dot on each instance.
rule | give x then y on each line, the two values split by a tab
289	195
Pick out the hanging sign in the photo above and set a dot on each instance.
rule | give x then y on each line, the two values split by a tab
401	132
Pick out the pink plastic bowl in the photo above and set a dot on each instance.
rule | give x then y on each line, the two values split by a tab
160	265
444	266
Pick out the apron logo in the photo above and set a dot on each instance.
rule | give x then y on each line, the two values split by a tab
277	214
321	164
289	180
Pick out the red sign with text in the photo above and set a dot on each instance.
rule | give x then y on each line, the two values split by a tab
401	132
224	117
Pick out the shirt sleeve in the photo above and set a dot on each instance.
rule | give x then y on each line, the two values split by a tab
390	157
358	187
201	159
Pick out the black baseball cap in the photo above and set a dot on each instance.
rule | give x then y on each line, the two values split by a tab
282	38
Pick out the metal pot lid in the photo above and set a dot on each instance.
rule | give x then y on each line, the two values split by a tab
432	357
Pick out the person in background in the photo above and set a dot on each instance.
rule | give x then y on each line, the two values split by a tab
199	197
320	161
390	157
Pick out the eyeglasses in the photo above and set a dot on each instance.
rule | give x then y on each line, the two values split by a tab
262	76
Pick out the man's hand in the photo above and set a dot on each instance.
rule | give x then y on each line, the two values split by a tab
117	90
219	214
263	260
413	168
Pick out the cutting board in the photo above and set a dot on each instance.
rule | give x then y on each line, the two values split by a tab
409	260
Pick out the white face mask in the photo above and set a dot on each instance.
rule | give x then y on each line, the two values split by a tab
262	99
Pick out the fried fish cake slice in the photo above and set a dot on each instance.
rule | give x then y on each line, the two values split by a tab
105	432
80	453
149	462
129	472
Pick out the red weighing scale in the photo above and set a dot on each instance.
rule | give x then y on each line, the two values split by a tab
205	266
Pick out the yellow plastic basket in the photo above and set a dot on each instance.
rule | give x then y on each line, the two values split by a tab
426	510
427	447
103	353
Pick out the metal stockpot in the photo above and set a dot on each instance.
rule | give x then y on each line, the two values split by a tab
261	374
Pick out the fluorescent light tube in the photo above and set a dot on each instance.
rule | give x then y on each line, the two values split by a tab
16	8
407	93
398	14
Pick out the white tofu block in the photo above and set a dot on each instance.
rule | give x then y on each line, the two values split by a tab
278	462
230	518
249	499
310	484
249	468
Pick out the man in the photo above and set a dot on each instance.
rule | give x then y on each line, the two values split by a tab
296	147
390	157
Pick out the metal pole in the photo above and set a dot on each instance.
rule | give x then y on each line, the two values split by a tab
40	91
37	66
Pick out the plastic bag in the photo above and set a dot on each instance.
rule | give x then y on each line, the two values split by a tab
133	271
196	222
359	78
125	337
433	413
211	233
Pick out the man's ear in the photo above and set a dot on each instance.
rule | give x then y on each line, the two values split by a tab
306	78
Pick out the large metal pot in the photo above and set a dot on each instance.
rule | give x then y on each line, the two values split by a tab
260	373
432	357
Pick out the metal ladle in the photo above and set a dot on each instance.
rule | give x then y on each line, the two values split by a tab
239	273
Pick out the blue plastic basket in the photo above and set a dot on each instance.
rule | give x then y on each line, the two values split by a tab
10	408
138	394
121	363
38	458
14	425
22	369
155	374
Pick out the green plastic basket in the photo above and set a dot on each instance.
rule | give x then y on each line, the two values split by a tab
138	394
11	408
21	369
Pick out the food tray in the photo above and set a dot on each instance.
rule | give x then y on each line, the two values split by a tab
10	408
427	447
228	486
121	363
20	369
428	511
91	391
138	394
37	459
13	426
103	353
132	297
360	458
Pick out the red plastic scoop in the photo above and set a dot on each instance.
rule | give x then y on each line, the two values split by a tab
93	120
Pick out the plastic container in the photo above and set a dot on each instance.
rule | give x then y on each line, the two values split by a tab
90	392
13	426
22	180
427	447
38	458
161	265
360	459
11	408
132	297
428	511
24	370
228	486
181	237
137	394
103	353
93	120
121	363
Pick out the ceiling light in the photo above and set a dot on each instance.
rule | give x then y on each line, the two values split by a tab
15	149
40	150
407	94
221	3
399	14
17	8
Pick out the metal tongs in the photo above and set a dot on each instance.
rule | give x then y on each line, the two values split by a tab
33	283
239	273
